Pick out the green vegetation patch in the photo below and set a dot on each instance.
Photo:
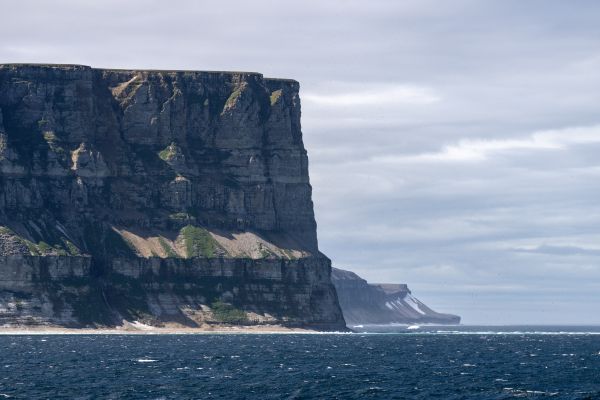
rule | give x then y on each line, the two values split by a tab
60	247
169	152
181	217
233	98
59	250
198	242
73	250
275	96
167	249
44	247
49	136
53	142
32	247
166	154
227	313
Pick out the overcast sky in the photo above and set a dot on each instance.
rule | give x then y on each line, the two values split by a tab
454	145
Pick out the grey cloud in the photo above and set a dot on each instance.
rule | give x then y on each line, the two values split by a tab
560	250
509	236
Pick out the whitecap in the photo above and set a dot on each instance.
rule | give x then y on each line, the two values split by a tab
529	392
145	360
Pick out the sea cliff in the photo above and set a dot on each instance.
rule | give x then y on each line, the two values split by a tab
156	197
376	304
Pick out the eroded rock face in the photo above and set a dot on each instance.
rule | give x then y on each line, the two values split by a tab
88	163
363	303
134	168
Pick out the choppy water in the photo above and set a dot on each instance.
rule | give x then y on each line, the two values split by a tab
425	363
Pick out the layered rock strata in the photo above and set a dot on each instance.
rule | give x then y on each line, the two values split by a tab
363	303
156	196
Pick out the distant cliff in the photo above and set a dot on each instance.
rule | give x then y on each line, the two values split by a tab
163	197
364	303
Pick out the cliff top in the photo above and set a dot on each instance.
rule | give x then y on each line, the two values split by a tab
129	70
392	287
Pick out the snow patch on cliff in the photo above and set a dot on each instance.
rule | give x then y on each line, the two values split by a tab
413	303
407	300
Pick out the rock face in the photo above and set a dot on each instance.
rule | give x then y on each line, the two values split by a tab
364	303
156	196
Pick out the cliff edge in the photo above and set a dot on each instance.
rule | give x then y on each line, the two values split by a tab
363	303
156	197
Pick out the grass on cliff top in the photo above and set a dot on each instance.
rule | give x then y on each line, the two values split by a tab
198	242
227	313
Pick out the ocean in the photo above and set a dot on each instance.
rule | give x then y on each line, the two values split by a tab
395	363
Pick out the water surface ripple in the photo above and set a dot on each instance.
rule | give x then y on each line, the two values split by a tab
442	364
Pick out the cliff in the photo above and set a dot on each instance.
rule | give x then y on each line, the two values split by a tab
162	197
364	303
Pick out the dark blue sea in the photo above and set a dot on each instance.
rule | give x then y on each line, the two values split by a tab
423	363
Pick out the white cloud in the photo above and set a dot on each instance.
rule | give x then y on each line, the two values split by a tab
481	149
376	94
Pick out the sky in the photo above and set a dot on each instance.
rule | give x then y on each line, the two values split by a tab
453	145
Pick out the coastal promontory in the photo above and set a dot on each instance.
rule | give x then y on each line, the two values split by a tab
156	198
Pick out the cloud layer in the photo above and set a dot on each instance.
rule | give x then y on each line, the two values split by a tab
453	145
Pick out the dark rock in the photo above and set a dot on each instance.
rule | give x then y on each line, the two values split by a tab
363	303
154	182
